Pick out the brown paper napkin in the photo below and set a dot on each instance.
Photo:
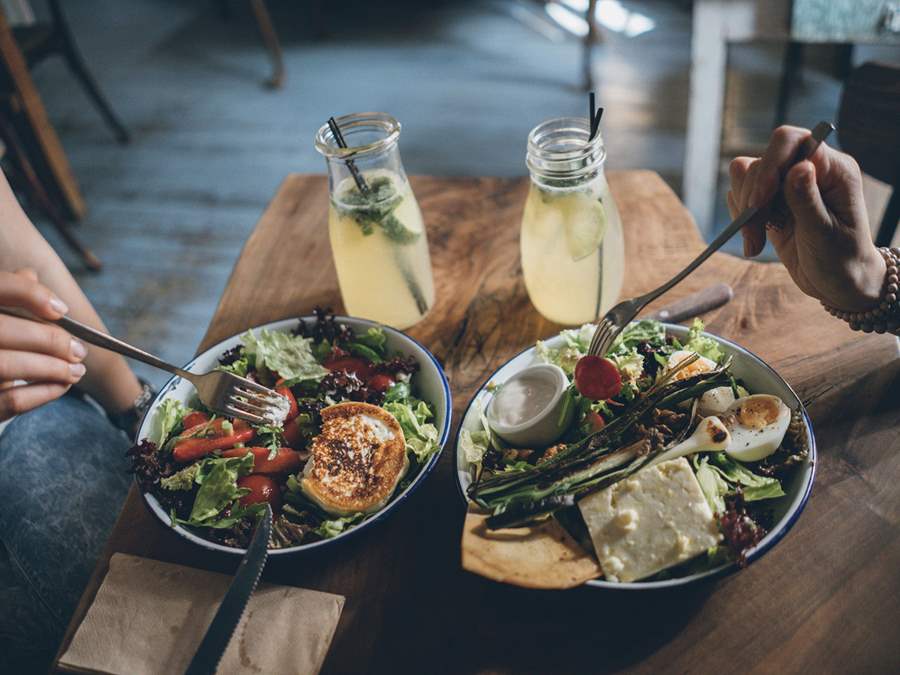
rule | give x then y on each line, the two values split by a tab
150	616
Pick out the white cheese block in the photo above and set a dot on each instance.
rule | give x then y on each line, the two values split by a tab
655	519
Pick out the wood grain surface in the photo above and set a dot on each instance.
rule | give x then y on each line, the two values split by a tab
826	599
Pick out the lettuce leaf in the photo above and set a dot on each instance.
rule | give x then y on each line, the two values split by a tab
576	342
630	365
645	330
181	480
332	528
701	344
754	486
217	477
370	345
290	356
474	445
421	435
711	482
575	345
168	418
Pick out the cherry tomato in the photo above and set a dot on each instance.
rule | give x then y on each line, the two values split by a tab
381	382
595	420
262	489
597	378
351	364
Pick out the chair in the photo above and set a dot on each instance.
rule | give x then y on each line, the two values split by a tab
40	40
869	129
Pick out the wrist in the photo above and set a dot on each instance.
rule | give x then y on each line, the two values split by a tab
882	316
130	417
869	281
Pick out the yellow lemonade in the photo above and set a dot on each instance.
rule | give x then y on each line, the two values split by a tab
380	250
573	251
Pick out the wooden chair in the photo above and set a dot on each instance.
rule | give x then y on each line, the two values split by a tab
869	129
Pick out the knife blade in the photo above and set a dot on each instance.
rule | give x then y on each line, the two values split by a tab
229	614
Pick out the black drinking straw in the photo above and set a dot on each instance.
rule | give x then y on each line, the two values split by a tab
594	115
339	139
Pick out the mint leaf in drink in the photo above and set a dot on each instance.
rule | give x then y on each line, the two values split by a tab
376	209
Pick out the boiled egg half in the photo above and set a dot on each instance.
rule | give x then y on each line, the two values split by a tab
698	367
757	425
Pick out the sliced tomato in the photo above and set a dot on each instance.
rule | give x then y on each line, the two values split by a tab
292	435
351	364
262	489
381	382
597	378
284	461
193	419
595	420
199	442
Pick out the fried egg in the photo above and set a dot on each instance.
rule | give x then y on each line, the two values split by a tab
757	425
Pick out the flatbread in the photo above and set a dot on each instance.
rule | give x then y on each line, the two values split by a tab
543	556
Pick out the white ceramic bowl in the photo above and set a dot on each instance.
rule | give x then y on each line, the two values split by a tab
760	379
430	384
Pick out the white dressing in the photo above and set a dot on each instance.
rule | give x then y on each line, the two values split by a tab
523	399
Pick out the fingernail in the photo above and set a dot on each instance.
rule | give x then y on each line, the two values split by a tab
58	305
77	370
78	350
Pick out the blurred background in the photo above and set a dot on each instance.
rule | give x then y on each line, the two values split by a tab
154	132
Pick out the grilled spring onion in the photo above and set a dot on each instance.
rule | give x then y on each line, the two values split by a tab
519	498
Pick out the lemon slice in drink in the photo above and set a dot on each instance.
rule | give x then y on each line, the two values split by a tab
585	225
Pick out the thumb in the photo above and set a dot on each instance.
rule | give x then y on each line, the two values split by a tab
805	201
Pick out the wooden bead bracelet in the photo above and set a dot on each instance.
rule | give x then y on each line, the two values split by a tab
885	318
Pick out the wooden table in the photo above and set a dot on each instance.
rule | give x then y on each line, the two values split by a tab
826	599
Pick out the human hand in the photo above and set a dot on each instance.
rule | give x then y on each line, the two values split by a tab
45	357
824	241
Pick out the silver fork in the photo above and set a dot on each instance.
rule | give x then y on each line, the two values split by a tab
616	319
220	391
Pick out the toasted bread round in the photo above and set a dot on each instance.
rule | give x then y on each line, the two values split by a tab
356	461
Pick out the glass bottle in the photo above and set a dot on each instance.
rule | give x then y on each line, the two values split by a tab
573	250
378	239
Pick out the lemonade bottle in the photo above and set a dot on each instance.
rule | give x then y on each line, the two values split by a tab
378	239
573	250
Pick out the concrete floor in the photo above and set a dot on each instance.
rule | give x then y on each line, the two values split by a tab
169	212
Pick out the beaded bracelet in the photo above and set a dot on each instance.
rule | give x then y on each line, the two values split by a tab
886	317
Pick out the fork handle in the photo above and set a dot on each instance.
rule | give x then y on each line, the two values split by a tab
100	339
821	131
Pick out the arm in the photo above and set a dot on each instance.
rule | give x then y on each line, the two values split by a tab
108	379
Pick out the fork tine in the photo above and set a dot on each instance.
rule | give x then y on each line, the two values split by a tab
604	342
244	415
253	386
248	405
599	337
265	396
608	340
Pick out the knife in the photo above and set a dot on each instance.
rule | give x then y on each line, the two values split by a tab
695	304
229	614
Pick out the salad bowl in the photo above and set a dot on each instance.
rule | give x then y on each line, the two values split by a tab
756	375
430	384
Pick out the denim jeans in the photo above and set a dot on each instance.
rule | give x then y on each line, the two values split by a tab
63	479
